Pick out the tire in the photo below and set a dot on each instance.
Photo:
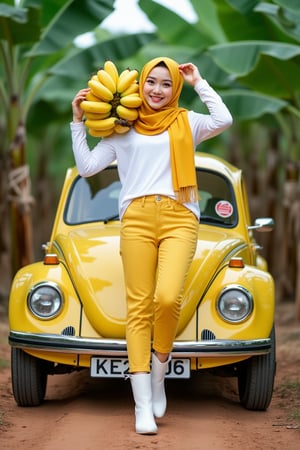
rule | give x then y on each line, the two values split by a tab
29	378
256	379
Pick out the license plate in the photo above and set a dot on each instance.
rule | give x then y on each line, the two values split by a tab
118	368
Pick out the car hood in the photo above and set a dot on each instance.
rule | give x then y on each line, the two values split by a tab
93	258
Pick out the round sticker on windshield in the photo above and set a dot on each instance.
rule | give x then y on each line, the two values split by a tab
224	208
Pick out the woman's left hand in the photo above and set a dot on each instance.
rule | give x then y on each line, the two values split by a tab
190	73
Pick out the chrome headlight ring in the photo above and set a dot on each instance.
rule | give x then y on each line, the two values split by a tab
45	300
234	304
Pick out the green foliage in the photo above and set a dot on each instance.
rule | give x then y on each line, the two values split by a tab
285	15
269	67
90	59
244	47
249	50
19	25
28	49
178	30
208	20
42	68
70	21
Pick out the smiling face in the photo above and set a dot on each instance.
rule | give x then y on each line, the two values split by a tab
158	88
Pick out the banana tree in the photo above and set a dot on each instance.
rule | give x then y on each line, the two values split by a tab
27	48
37	45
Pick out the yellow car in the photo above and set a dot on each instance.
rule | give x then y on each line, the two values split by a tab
68	311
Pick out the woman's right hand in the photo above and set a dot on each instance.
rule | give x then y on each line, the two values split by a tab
77	111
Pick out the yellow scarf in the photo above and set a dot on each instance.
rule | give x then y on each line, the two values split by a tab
175	120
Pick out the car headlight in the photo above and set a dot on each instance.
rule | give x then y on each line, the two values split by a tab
235	303
45	300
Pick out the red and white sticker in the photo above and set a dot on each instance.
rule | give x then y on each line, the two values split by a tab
224	208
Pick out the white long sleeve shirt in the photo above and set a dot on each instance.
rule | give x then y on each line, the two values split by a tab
144	161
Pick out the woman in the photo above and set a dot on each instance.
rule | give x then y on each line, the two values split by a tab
159	214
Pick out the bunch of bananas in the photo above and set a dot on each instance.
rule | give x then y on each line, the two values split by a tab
111	105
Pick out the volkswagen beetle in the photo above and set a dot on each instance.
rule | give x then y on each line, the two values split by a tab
67	312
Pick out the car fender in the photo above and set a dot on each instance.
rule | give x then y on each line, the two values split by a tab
260	285
20	316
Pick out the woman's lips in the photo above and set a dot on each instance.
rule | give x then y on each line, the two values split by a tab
156	99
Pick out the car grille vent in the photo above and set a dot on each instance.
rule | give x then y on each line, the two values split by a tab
68	331
207	335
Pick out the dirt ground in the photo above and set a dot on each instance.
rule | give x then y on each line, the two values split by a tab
203	413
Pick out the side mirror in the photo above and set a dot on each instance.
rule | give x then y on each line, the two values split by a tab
263	224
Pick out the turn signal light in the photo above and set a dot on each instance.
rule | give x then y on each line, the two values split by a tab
51	259
236	263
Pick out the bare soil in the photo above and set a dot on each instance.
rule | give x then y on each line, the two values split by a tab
203	413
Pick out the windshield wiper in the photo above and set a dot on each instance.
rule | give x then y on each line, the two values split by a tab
112	217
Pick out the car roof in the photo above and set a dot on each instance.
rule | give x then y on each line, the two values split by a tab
212	162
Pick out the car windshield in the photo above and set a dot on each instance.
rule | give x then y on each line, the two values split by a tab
95	198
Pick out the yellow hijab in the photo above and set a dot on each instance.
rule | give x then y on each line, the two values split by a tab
175	120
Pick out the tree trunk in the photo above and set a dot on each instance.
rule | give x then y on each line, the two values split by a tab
19	196
4	234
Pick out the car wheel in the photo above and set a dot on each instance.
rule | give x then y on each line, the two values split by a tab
256	379
29	378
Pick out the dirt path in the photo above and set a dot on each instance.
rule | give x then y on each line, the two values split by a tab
203	413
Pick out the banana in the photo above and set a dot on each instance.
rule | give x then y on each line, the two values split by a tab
97	116
91	97
121	77
131	101
105	78
111	94
95	107
100	125
121	129
127	113
111	68
133	89
100	90
126	78
103	133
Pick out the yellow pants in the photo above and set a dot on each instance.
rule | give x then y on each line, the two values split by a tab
158	242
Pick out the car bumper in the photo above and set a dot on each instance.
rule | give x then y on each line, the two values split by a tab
110	347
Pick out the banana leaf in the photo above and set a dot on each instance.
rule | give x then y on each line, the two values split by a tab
243	6
171	28
250	105
208	20
292	5
19	25
245	105
75	18
241	57
285	16
81	64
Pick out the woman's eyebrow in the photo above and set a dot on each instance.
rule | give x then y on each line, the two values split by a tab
155	78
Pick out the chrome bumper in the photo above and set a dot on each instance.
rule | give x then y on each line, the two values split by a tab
117	347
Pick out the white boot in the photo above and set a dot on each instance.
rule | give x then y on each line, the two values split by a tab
158	371
141	389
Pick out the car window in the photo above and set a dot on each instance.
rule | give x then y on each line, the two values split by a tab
216	199
96	198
